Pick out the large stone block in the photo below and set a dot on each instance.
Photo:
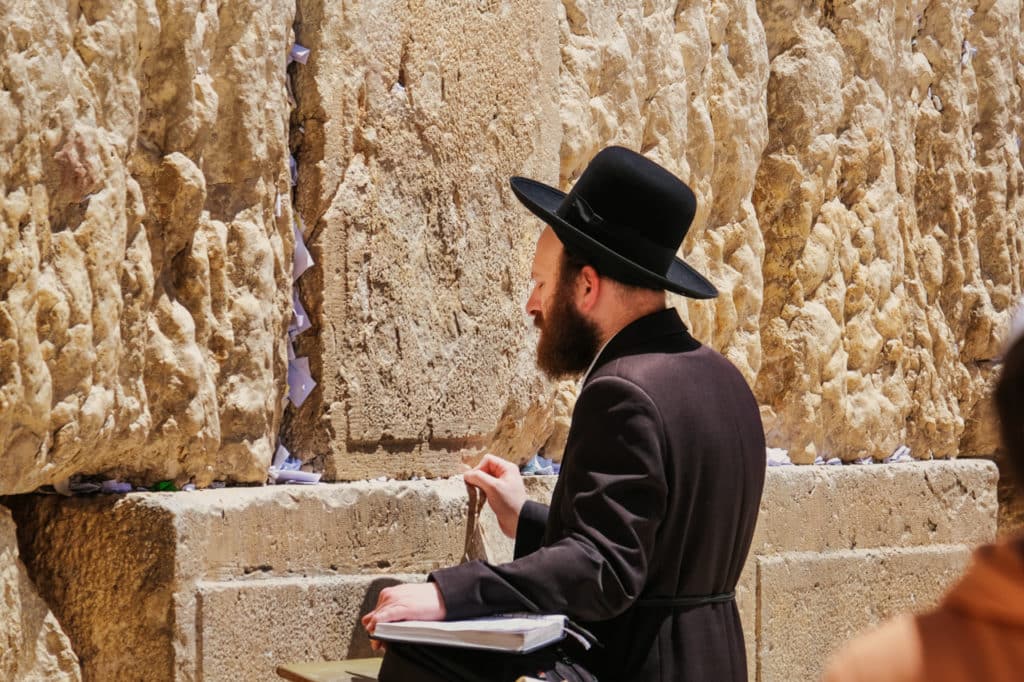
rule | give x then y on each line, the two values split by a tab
33	647
410	120
685	84
889	197
282	611
144	277
809	603
127	574
826	508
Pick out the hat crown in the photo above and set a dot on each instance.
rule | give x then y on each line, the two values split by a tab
626	216
632	193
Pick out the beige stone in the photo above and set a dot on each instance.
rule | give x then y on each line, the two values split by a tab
127	573
411	118
889	200
828	508
857	167
144	278
228	570
33	647
685	84
281	610
810	603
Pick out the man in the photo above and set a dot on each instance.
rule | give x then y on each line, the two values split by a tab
652	516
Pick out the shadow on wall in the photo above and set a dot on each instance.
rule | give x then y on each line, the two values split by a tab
359	646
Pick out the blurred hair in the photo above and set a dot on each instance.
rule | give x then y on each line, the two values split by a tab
1009	400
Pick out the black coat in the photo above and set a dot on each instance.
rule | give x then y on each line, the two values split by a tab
657	497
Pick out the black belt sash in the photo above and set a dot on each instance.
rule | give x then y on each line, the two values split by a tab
684	602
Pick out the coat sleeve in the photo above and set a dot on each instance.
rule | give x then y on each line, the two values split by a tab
613	501
533	521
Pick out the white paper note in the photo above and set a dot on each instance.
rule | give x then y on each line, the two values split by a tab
298	54
300	381
280	456
300	320
302	260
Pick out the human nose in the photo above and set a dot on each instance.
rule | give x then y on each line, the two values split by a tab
533	303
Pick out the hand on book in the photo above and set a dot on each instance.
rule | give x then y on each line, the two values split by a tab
503	485
413	601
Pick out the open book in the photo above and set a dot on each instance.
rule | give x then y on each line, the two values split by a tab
517	633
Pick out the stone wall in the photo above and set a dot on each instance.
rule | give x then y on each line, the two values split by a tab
144	276
889	197
857	165
858	170
33	647
411	118
282	574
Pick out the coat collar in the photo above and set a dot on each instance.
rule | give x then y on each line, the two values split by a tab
643	335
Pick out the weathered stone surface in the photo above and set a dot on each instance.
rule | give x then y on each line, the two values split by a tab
144	278
32	645
301	559
857	165
228	613
685	84
123	572
889	197
819	508
809	603
411	119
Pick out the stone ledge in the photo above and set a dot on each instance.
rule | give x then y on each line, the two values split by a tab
295	551
877	505
228	612
808	603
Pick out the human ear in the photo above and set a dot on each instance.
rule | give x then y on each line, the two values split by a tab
588	288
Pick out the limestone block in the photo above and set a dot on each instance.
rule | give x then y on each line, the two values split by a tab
124	572
280	610
171	583
685	84
810	603
33	647
825	508
144	277
411	118
889	200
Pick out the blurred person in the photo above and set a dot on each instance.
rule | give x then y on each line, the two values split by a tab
977	630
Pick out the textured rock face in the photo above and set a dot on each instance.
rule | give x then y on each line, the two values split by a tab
857	165
411	118
143	273
32	644
685	84
890	200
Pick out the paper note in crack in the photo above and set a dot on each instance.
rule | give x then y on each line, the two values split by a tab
300	381
303	259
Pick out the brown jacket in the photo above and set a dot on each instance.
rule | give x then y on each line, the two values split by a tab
976	633
658	495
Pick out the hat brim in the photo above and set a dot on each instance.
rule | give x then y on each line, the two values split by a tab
543	201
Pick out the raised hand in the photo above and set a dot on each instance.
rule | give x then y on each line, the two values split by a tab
502	483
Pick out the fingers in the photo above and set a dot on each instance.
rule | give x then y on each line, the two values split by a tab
481	480
496	466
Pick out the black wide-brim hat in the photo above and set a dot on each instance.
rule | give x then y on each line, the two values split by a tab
627	217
